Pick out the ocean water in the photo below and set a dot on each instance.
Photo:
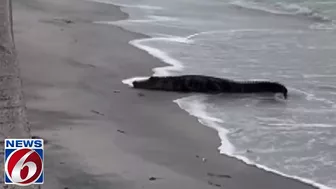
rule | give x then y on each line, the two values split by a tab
289	41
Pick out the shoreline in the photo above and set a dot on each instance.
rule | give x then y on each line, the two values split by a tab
174	64
167	142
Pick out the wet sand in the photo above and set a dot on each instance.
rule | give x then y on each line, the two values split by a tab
101	133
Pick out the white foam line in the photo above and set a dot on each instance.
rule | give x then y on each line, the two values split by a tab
162	18
161	71
322	2
305	180
255	6
170	39
311	97
161	35
119	22
242	30
149	7
151	19
303	125
196	109
315	111
271	119
323	26
130	81
318	76
287	9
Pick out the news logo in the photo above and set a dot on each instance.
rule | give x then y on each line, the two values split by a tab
24	161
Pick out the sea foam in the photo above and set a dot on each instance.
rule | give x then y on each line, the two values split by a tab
150	19
130	81
175	65
149	7
312	97
281	8
195	106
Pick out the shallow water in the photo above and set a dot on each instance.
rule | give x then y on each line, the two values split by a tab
292	42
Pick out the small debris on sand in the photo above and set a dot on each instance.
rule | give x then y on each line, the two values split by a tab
203	159
249	151
141	94
120	131
153	178
62	163
4	49
116	91
58	21
96	112
218	185
219	175
64	20
213	184
67	21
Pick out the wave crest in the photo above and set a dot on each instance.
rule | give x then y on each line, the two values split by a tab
282	9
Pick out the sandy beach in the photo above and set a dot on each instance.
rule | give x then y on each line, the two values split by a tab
100	133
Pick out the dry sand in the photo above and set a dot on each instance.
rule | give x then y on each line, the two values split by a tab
13	122
100	138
